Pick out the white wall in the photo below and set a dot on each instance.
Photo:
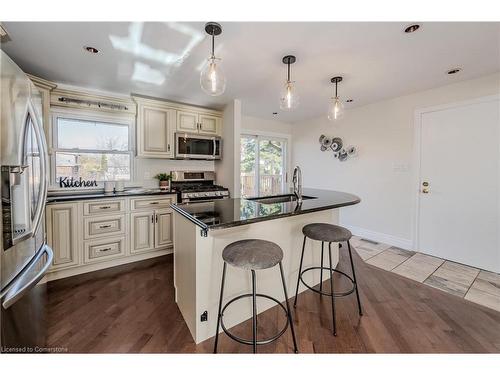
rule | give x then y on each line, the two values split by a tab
381	175
146	169
263	125
229	167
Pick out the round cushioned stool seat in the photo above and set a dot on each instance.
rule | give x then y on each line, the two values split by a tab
326	232
252	254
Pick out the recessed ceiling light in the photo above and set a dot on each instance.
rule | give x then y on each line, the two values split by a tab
412	28
91	49
349	100
453	71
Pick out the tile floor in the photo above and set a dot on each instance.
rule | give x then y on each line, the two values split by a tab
473	284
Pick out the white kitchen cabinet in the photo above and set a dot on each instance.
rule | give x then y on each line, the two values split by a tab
142	232
198	123
63	236
151	230
163	228
210	124
158	120
88	235
187	121
155	131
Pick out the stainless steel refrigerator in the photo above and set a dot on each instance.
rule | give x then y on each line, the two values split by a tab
25	256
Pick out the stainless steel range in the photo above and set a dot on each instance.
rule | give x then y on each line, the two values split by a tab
197	186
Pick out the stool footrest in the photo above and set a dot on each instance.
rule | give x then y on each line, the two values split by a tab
250	341
338	294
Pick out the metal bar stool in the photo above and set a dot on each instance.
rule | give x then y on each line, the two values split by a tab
328	233
253	255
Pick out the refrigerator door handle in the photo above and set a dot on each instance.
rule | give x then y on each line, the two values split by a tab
22	286
43	170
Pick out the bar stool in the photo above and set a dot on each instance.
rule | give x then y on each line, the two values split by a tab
253	255
328	233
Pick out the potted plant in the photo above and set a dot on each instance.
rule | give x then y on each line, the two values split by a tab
164	179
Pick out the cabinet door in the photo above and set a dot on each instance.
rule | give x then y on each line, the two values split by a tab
155	132
142	231
209	124
163	229
187	121
62	234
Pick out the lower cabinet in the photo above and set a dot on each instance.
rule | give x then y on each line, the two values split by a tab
150	230
142	229
90	235
104	249
63	234
163	228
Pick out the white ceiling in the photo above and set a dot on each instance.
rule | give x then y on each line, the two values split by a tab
377	60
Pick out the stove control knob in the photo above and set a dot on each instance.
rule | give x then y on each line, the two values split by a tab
194	194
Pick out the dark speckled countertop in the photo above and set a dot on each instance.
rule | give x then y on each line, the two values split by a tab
66	196
232	212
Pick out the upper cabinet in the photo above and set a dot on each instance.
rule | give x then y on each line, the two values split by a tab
187	121
199	123
45	87
155	131
158	120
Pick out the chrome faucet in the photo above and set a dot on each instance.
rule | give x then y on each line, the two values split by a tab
297	184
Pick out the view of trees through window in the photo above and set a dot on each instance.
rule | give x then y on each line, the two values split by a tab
262	166
92	150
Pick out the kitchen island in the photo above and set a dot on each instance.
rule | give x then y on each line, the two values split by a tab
202	230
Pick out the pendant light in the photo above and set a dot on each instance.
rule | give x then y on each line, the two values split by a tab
335	108
289	96
212	78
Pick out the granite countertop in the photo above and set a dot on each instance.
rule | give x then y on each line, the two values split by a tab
66	196
225	213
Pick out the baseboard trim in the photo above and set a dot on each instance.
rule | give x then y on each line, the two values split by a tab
388	239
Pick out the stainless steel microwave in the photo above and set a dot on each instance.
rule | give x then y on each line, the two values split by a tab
196	146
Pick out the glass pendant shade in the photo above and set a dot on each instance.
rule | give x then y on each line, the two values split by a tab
289	98
212	79
335	109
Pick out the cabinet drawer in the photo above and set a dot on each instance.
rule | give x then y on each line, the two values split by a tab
104	207
104	226
152	203
101	250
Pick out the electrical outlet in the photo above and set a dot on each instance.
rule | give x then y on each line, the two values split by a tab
204	316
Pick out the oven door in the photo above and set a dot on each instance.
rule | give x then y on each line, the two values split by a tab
194	146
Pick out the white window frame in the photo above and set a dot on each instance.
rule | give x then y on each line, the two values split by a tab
125	120
259	135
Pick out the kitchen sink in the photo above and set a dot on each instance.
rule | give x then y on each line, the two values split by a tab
279	199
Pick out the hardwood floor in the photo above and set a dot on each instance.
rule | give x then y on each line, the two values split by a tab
131	309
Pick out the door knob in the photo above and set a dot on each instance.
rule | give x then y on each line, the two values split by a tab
425	187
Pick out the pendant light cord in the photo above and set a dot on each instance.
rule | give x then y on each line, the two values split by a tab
213	44
336	83
288	64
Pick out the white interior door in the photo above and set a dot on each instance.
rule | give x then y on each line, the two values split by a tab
458	216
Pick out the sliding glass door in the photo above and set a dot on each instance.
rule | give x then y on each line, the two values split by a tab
263	165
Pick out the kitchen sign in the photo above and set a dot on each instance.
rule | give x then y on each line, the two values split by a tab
70	182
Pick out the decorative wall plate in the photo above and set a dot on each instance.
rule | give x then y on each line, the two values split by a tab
352	151
327	141
336	144
342	155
